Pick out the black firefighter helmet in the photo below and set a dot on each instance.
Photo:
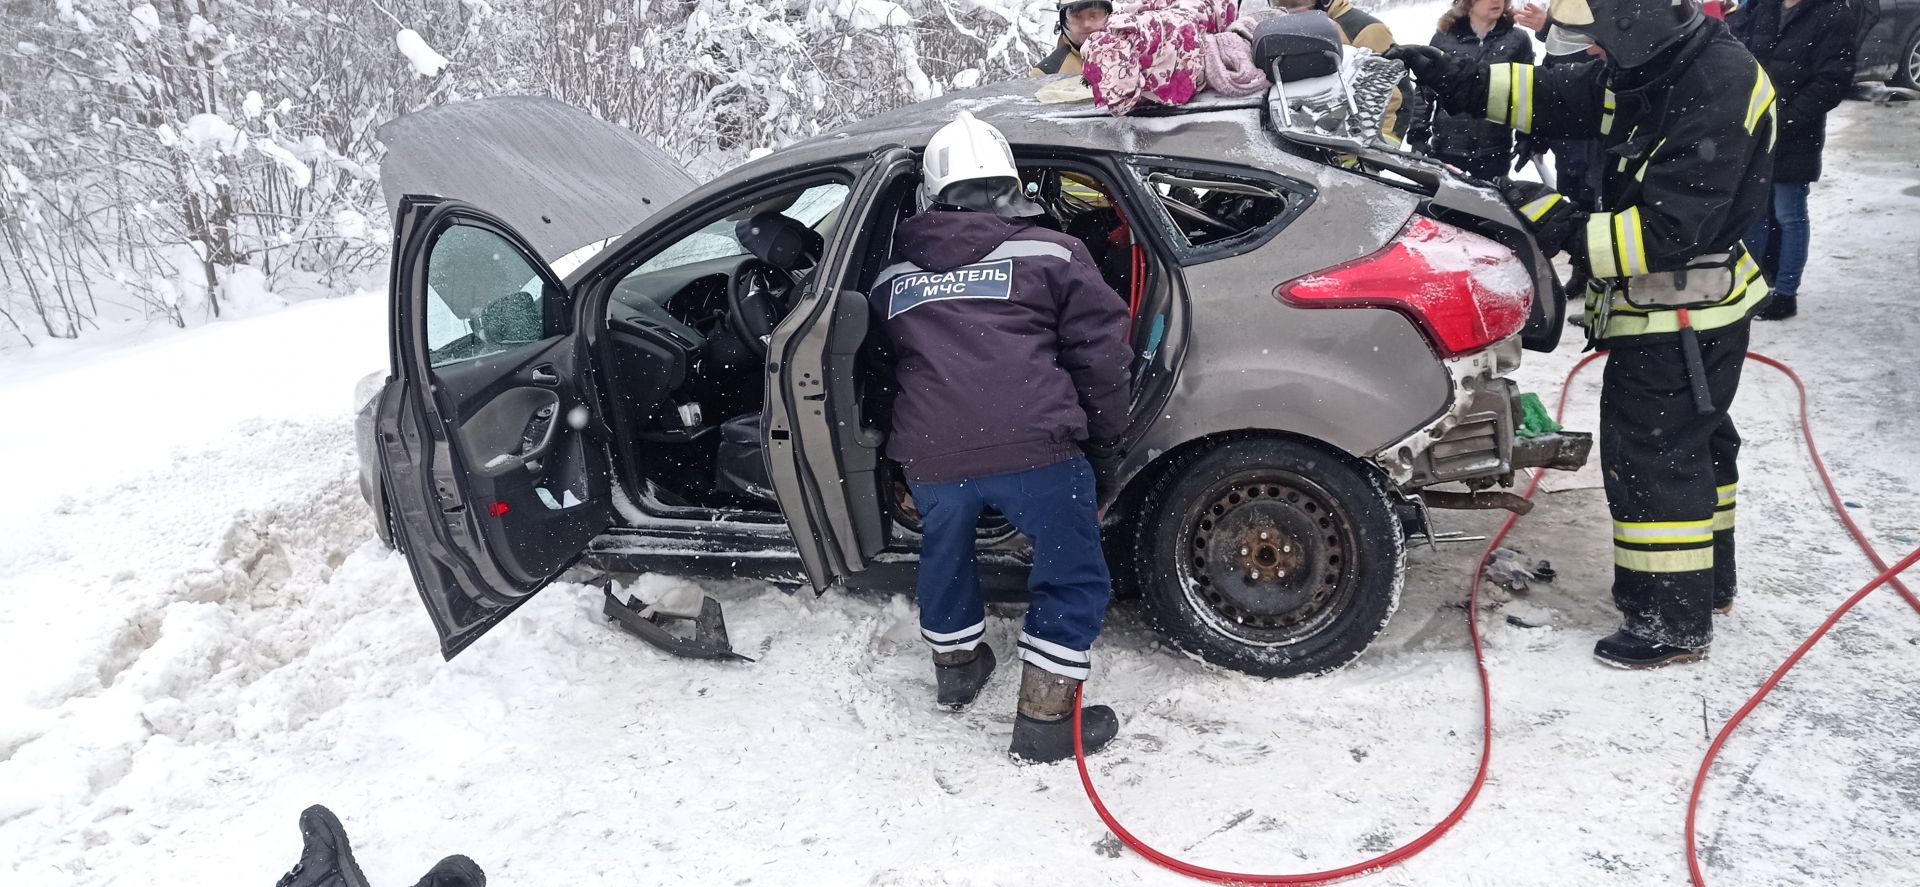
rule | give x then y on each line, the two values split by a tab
1632	32
1069	7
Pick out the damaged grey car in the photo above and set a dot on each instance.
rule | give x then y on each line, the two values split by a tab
596	362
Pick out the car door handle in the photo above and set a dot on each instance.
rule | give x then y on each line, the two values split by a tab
544	375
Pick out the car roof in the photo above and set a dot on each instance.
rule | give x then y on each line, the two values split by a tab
1210	127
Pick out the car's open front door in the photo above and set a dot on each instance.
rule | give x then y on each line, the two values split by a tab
822	452
494	484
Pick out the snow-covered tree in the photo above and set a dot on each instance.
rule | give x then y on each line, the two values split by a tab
170	158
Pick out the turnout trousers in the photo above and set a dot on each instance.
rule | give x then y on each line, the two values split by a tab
1672	479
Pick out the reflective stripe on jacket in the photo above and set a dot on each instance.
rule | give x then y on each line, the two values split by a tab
1689	140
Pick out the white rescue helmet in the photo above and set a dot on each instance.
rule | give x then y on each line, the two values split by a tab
966	150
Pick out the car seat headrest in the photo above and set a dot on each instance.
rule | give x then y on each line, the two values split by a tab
1303	44
781	241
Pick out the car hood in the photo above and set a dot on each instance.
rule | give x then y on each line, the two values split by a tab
560	177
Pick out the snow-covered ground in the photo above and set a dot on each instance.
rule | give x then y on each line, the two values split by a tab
200	636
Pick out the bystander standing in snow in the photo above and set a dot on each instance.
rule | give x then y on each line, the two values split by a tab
1482	30
1807	48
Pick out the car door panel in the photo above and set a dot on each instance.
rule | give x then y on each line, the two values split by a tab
512	434
822	457
494	482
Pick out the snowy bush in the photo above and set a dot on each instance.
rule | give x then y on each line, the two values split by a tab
153	150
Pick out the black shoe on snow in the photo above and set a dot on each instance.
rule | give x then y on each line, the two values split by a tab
454	871
959	684
326	860
1622	650
1779	306
1723	607
1044	742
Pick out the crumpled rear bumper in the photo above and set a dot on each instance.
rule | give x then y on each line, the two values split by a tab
1473	440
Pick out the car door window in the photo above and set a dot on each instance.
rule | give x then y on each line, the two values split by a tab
1208	209
485	296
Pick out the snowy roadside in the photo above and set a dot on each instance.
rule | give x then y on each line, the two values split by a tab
202	637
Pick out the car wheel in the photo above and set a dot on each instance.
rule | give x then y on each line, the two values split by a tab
1909	73
1270	556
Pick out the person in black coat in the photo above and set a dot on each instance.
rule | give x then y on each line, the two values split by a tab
1807	49
1482	31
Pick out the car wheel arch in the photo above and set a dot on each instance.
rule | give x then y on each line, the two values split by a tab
1139	481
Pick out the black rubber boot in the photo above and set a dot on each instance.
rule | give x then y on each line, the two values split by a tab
1622	650
960	675
326	859
1779	306
1043	728
454	871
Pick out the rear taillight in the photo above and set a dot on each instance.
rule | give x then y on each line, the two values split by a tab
1463	290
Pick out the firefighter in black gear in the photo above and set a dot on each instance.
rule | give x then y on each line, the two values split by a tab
1685	116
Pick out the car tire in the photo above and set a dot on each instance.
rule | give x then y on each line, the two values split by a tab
1907	72
1270	556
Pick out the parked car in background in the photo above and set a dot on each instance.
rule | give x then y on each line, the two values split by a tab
1323	335
1889	41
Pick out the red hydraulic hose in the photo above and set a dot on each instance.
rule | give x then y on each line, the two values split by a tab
1833	492
1391	857
1433	834
1888	576
1713	751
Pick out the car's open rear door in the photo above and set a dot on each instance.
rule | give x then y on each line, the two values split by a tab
494	484
823	456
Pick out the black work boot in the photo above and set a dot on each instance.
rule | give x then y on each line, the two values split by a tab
454	871
1723	606
326	860
960	674
1623	650
1043	729
1779	306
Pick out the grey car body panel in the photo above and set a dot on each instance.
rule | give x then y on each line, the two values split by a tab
554	173
1357	379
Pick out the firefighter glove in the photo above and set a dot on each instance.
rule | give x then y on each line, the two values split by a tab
1435	70
1552	218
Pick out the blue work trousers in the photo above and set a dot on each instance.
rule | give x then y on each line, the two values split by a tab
1069	584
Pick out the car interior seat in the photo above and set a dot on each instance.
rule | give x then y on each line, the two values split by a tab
788	244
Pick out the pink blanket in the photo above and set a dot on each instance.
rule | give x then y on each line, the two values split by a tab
1154	51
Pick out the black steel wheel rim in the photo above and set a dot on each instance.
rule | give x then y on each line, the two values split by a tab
1265	556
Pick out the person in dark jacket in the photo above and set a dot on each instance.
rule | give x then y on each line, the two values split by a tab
1009	357
1685	115
1807	47
1483	31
